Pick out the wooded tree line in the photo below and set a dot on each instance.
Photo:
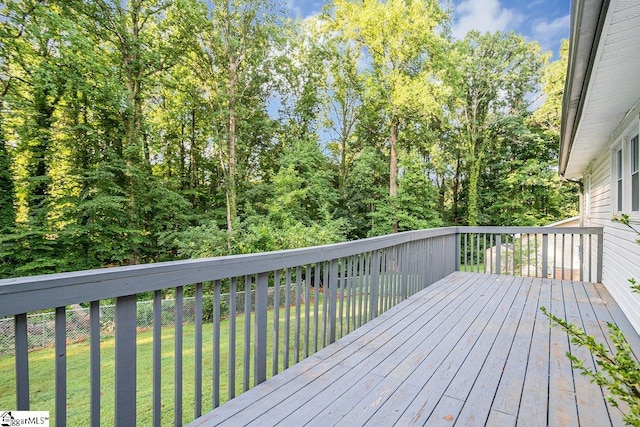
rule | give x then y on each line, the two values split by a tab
148	130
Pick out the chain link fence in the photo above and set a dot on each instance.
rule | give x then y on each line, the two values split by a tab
41	326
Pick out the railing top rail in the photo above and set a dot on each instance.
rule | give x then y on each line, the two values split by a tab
531	230
23	294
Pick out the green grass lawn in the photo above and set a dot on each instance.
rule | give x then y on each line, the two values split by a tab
42	369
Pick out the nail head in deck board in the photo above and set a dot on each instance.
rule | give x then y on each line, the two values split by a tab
440	364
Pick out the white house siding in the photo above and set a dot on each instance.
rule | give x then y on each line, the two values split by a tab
621	255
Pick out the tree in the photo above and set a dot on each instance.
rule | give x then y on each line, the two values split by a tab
401	44
233	61
494	75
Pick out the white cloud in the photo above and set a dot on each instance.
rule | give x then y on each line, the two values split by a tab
548	33
483	15
295	11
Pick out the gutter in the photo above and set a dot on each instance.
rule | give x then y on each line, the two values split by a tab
587	22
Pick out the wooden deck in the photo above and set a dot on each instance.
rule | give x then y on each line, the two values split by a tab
472	349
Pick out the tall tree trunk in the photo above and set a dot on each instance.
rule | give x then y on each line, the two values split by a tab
472	203
231	142
393	166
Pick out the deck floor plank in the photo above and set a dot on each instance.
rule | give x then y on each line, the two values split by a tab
534	397
472	349
413	362
562	392
591	405
445	356
478	402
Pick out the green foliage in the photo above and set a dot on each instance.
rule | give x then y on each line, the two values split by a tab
7	189
619	370
148	130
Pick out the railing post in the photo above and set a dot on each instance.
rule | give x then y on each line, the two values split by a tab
545	255
333	300
262	295
498	253
375	284
125	382
599	262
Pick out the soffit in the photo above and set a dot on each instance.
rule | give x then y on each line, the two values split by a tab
614	86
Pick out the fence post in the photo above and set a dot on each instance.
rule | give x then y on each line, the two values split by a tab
125	382
262	294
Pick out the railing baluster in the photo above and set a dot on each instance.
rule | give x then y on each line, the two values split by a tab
197	410
477	238
260	346
94	350
316	305
572	255
529	255
157	358
333	296
296	341
247	331
287	318
600	255
545	255
178	365
498	254
276	321
374	284
520	259
125	364
588	252
360	285
349	286
307	308
216	340
466	237
484	252
564	255
325	303
233	313
341	287
21	362
580	255
404	286
61	366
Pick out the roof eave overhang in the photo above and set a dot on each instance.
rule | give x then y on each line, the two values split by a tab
587	22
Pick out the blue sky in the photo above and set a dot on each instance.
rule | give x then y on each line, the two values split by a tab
546	21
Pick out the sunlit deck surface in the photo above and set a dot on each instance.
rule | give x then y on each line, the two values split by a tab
472	349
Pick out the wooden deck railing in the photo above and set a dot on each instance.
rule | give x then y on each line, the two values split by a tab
299	302
569	253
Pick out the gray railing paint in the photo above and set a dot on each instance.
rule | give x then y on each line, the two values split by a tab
355	280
